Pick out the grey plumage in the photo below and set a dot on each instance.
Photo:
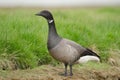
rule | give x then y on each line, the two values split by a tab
61	49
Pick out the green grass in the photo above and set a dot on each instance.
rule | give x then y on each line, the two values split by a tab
23	36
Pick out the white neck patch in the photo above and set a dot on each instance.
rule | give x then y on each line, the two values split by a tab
50	21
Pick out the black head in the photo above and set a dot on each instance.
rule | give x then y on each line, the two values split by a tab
46	14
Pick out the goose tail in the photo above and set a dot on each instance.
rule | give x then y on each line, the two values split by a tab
89	55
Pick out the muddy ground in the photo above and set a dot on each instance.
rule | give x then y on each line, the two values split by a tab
49	72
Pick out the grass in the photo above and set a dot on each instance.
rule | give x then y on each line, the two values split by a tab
86	72
23	36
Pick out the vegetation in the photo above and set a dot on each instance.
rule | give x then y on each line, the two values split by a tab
47	72
23	35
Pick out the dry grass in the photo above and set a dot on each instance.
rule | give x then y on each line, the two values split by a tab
48	72
114	58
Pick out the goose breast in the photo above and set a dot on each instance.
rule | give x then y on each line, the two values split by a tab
66	51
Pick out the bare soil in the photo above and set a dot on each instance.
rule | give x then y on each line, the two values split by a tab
48	72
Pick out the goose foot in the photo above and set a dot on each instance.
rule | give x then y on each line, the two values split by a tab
65	74
71	74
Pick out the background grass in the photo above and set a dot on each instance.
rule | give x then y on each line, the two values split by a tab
23	35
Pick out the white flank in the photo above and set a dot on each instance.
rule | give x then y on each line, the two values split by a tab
87	58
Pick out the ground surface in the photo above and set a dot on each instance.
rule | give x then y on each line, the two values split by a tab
48	72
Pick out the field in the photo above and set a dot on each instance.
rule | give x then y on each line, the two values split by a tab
23	36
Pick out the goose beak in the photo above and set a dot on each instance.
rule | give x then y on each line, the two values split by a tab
37	14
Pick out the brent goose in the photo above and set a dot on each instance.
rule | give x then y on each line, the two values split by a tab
64	50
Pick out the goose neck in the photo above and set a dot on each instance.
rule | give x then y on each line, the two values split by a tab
53	37
52	29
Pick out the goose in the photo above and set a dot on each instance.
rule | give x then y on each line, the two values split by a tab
64	50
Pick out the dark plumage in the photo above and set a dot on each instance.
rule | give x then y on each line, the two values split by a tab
89	52
61	49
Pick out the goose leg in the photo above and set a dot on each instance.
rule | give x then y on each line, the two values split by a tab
71	70
65	69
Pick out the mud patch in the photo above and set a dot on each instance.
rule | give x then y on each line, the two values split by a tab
48	72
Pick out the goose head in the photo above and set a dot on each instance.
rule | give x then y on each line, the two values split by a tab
47	15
